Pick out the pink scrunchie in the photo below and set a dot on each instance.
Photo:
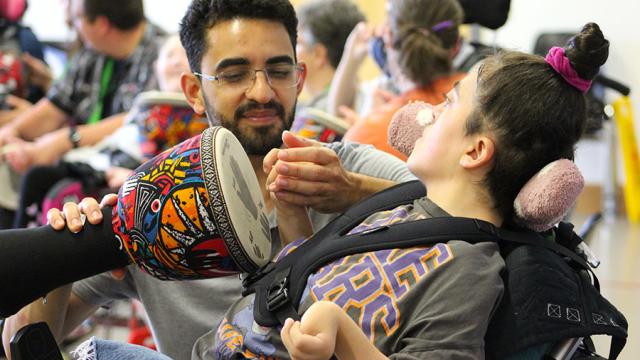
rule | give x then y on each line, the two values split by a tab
560	63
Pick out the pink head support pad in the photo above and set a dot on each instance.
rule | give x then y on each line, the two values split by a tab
407	124
542	202
547	197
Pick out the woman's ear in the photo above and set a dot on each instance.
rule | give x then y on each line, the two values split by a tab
479	153
192	90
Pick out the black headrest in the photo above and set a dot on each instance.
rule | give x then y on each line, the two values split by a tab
546	41
488	13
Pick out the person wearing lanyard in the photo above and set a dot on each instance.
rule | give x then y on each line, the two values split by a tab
90	100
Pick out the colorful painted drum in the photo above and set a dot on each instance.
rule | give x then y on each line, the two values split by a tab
12	76
319	125
195	211
164	120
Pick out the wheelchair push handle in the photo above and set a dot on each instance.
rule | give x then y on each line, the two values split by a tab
612	84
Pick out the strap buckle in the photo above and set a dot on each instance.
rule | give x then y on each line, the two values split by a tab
278	294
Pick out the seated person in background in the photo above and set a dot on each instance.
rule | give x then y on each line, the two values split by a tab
220	36
349	97
420	42
352	99
323	28
100	83
151	126
25	77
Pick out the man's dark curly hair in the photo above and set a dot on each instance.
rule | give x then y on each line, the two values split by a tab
205	14
123	14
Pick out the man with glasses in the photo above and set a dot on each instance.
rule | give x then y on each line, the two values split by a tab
245	76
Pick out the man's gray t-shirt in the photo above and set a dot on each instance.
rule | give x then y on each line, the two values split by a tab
179	312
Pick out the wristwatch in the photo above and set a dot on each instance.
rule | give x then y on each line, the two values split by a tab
74	136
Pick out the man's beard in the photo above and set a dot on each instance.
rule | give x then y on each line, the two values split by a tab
254	140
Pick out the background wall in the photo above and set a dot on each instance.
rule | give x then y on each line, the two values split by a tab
526	20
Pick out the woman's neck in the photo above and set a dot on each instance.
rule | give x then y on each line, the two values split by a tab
463	199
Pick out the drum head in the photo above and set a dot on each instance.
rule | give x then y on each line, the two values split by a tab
237	202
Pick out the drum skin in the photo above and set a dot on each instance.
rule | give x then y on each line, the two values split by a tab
167	222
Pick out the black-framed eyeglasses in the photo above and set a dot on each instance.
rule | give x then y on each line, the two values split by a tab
280	76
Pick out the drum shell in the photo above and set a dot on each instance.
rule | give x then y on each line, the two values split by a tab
165	120
172	219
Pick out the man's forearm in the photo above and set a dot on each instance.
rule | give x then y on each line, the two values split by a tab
94	133
365	186
42	118
59	143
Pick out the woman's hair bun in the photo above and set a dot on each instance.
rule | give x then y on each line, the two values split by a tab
587	51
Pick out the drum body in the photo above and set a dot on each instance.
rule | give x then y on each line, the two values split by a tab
319	125
194	211
164	120
12	77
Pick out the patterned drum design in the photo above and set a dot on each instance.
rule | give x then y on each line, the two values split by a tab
164	120
194	211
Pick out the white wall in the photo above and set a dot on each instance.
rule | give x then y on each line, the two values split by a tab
46	16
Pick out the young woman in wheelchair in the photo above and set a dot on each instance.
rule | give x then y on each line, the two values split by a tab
513	114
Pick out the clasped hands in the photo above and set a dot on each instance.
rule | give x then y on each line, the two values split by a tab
307	174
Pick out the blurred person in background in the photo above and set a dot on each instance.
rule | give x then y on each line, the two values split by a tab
420	40
90	101
323	29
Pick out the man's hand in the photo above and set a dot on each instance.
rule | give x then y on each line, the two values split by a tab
38	72
22	155
17	106
311	175
293	219
116	176
356	46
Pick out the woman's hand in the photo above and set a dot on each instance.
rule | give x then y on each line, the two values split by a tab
314	336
